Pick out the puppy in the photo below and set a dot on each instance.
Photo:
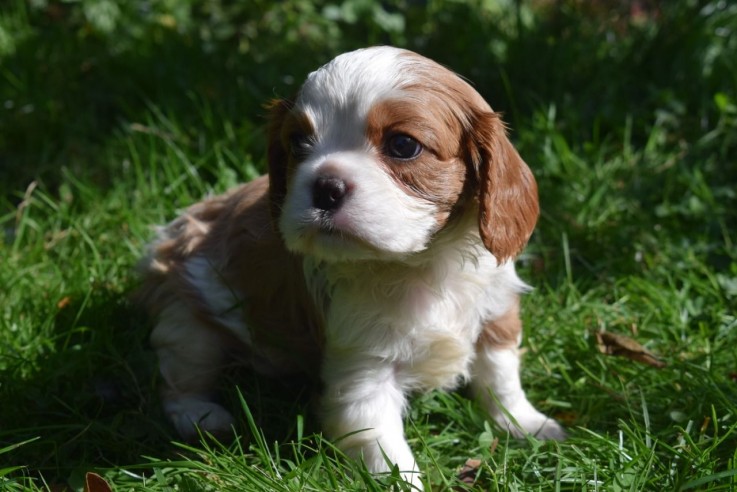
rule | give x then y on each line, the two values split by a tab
377	255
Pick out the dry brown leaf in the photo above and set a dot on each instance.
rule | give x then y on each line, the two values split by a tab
493	446
614	344
95	483
468	472
64	302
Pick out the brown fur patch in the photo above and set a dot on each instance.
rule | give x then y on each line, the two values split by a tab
284	126
467	153
503	332
438	174
235	233
508	204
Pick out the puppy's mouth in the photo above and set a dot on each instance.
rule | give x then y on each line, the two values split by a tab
327	226
328	235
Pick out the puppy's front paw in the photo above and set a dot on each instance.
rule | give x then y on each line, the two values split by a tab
527	420
190	414
546	428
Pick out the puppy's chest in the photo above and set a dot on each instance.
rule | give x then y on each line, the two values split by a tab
427	330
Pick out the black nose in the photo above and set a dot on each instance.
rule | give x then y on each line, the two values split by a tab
328	192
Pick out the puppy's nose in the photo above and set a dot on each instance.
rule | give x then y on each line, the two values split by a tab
328	192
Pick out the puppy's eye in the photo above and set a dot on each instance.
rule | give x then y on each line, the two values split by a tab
299	145
401	146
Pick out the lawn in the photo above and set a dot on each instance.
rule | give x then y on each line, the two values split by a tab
115	115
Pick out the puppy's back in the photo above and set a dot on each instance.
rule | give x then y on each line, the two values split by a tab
223	261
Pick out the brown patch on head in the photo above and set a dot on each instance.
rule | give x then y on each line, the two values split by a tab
505	331
466	154
287	129
438	173
432	107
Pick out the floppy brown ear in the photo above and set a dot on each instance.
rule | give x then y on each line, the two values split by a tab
277	155
508	205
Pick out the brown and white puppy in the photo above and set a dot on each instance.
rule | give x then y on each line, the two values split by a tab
377	254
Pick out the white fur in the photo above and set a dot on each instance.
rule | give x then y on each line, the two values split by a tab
404	328
225	302
338	96
377	221
496	383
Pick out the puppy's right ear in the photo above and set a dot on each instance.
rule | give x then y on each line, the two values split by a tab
277	155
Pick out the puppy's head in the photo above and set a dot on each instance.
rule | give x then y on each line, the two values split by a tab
382	149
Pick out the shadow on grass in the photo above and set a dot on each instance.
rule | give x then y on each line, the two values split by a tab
90	401
73	88
93	403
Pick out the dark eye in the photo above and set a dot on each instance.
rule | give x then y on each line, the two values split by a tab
299	145
402	146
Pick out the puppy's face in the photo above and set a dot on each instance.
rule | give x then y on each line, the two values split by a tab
381	149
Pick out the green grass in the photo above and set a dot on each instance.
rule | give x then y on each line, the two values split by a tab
114	115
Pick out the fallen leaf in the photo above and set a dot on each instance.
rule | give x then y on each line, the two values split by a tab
705	424
64	302
469	471
95	483
493	446
614	344
567	417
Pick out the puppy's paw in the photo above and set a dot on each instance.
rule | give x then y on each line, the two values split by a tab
527	420
190	414
547	429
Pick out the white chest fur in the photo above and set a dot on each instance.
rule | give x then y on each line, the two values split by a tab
422	318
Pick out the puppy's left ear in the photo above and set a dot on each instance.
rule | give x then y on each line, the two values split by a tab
507	191
277	155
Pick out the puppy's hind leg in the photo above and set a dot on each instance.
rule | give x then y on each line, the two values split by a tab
191	357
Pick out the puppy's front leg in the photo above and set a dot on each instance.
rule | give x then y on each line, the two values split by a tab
496	380
362	409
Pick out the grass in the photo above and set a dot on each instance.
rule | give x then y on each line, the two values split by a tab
116	115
